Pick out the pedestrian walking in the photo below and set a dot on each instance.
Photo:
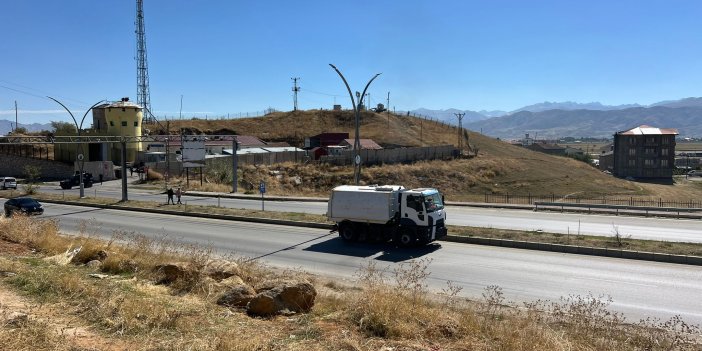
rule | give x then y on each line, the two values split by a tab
170	196
178	194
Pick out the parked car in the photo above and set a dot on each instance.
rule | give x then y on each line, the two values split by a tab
8	183
695	173
25	205
75	181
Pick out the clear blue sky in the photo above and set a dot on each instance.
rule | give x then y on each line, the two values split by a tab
238	56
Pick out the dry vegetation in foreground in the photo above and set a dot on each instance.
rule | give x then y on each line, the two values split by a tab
499	167
386	311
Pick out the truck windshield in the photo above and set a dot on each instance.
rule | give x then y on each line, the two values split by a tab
432	202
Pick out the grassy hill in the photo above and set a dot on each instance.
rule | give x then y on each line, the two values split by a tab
499	167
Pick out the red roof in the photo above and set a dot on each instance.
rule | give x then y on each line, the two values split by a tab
367	144
249	140
648	130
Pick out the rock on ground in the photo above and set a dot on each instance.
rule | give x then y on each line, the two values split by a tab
64	258
221	269
237	296
284	297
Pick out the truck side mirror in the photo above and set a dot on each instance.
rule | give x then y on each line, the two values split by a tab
443	200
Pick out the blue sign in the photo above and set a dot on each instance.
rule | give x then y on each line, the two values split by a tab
262	187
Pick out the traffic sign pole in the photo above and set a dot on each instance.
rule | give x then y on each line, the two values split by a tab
262	189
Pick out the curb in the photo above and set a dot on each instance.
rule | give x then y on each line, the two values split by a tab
198	215
580	250
515	244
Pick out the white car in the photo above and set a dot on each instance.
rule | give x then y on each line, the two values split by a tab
694	173
8	183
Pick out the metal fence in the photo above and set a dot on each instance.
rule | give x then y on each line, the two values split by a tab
529	199
390	156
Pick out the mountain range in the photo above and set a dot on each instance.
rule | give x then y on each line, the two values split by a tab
6	126
560	119
551	119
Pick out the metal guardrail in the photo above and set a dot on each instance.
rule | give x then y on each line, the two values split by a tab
645	209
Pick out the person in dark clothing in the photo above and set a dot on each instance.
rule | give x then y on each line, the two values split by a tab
170	196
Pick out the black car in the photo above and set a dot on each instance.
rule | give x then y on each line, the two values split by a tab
25	205
75	181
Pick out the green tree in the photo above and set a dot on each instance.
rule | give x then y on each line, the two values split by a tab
63	128
31	174
19	130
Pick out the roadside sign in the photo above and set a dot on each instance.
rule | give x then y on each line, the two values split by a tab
80	157
262	188
358	159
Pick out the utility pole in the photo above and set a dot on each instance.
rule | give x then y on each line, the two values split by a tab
295	90
168	150
460	130
180	112
387	108
16	124
421	131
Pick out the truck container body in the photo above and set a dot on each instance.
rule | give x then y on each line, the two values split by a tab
388	212
363	204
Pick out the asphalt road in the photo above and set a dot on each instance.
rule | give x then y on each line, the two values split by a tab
668	229
639	289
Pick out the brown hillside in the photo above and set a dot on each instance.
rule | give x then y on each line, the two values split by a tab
499	166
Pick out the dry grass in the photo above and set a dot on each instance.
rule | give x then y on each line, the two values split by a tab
622	241
388	310
499	168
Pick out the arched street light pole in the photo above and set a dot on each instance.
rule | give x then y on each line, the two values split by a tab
79	156
357	113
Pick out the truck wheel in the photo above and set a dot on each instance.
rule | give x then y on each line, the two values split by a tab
347	233
406	237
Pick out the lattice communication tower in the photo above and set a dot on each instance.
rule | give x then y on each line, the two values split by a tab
143	97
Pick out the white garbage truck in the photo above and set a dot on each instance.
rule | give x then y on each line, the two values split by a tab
387	212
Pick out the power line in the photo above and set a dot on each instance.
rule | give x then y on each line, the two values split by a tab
317	92
42	94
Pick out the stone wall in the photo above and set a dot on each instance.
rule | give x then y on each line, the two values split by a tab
13	166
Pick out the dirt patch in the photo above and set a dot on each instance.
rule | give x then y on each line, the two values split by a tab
68	327
14	249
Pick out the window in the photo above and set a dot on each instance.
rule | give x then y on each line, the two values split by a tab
414	202
664	152
664	163
650	151
649	162
124	123
650	140
632	152
136	124
632	163
112	123
632	140
665	140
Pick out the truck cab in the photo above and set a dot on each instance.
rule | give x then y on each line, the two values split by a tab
422	216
